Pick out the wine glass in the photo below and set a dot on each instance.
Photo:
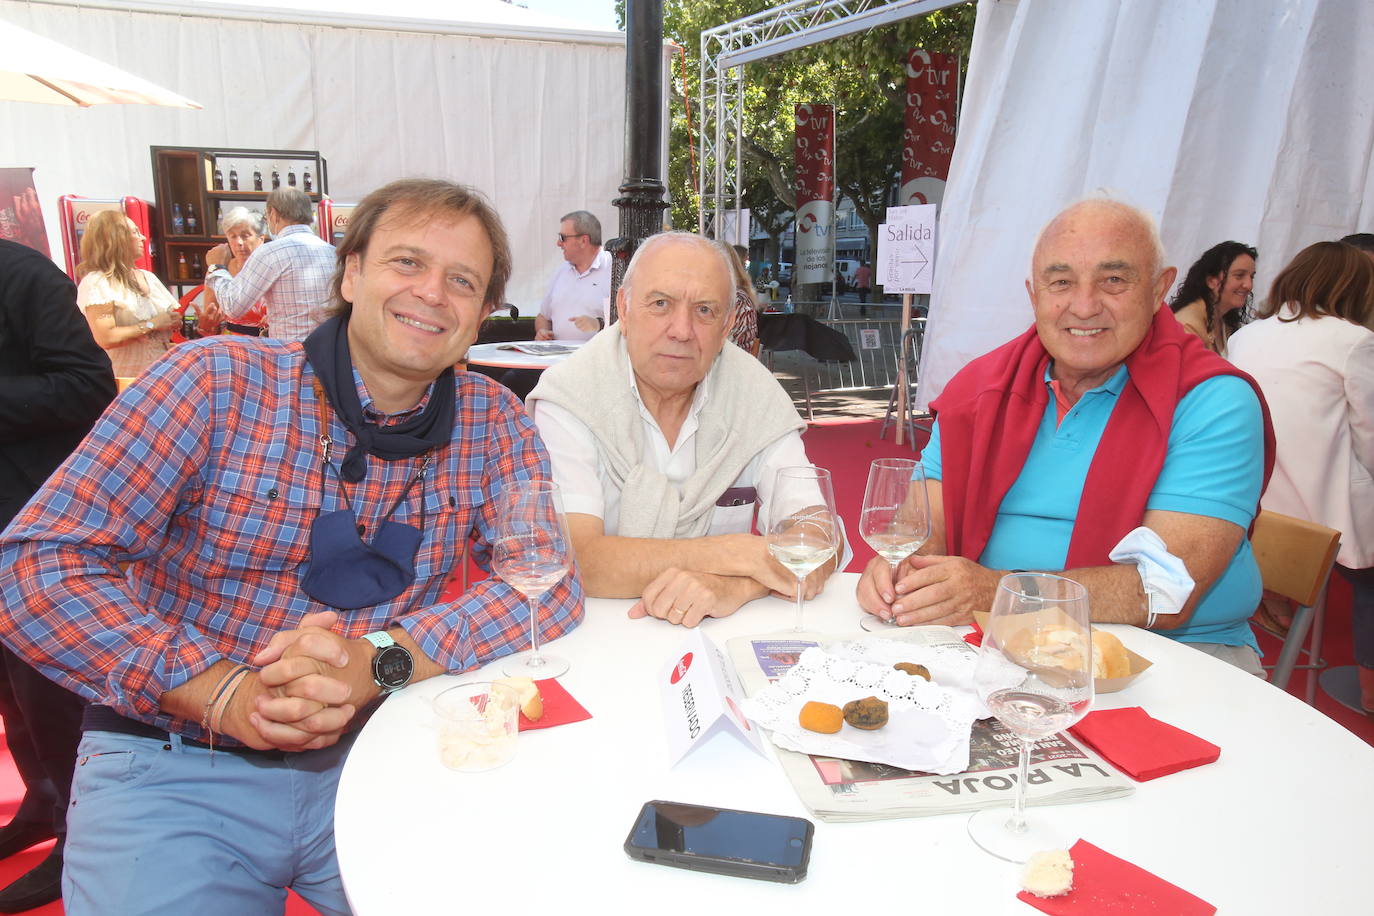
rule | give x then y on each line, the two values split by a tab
803	528
896	517
532	553
1035	674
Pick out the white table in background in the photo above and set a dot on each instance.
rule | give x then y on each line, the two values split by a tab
1280	824
502	356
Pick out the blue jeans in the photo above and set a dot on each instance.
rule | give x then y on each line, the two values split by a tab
160	827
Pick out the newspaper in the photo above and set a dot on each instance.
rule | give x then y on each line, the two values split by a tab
540	349
1062	771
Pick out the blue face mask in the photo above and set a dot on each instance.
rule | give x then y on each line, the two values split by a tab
346	572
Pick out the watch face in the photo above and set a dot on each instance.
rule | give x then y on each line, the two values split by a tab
392	667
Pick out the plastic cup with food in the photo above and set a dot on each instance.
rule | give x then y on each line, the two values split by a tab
477	727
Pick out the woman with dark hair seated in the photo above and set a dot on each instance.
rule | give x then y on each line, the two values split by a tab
1214	294
1312	353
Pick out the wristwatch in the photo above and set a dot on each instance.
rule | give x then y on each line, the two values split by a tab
392	666
147	325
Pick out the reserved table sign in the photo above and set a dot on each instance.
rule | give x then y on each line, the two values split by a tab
701	699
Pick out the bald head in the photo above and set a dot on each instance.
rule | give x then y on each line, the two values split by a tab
690	239
1103	211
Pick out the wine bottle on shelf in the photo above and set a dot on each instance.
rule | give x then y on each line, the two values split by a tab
276	177
183	268
197	267
234	177
309	184
192	224
257	177
219	179
178	223
291	176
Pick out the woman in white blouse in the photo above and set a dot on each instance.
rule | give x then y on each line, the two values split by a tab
1312	352
130	312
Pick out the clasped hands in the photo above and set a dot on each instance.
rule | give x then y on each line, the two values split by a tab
687	596
306	692
927	590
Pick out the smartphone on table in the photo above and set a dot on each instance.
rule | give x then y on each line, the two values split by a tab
724	841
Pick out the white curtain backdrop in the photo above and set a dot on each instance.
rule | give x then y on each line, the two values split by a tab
536	125
1227	119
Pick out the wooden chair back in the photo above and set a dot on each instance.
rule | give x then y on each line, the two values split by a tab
1294	555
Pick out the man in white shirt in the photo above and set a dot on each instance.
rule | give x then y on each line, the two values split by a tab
290	274
574	305
662	436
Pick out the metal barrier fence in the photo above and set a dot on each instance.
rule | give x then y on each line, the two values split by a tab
877	343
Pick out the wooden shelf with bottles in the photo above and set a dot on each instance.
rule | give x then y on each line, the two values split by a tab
193	186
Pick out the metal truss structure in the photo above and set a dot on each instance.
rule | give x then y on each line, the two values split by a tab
727	48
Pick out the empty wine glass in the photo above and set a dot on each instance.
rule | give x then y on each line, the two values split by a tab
803	528
895	520
532	553
1035	674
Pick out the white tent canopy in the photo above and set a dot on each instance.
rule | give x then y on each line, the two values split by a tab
1226	119
526	107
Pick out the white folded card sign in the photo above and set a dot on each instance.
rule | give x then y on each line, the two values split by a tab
701	699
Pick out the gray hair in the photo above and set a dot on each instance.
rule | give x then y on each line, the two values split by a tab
719	252
242	216
584	223
1143	219
292	205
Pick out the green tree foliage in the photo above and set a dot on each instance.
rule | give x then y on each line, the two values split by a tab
863	75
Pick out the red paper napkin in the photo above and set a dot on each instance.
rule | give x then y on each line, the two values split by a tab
1102	883
976	637
1141	745
559	707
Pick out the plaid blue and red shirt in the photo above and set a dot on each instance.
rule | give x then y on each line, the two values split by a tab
177	533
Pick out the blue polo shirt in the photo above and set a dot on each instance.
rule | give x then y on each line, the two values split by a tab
1213	467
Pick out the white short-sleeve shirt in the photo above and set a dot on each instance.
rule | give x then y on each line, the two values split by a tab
572	294
588	489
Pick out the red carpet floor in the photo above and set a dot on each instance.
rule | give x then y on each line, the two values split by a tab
846	448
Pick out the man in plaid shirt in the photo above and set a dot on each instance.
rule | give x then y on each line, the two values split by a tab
290	274
166	571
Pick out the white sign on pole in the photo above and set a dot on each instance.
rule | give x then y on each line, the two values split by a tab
906	249
701	699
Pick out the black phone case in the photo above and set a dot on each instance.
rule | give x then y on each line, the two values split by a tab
735	868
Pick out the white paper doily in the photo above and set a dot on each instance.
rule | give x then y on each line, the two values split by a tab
928	721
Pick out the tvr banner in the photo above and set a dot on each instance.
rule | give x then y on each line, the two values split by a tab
932	104
813	261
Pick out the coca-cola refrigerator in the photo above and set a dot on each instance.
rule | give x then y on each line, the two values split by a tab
332	221
75	211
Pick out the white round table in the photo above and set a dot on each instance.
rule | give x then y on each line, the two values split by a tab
504	356
1280	824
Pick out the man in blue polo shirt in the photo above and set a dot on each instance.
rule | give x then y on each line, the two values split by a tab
1101	421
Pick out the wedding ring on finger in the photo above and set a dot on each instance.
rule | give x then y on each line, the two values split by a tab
677	612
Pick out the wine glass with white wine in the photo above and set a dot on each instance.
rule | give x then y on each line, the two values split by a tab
1035	674
895	519
532	552
803	527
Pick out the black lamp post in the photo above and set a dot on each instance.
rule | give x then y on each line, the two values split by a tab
641	203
